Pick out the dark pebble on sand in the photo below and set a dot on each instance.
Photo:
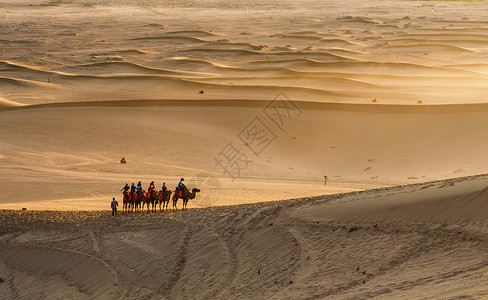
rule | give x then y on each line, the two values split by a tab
352	228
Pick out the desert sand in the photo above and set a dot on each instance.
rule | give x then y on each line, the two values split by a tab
422	241
252	102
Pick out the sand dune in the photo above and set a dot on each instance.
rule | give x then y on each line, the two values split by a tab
119	68
403	246
171	38
252	102
376	155
8	103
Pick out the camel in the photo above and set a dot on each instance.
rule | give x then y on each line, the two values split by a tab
164	199
126	202
153	199
146	200
132	201
185	196
140	197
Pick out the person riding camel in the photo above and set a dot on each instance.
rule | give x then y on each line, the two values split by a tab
139	187
132	188
151	188
125	189
164	188
180	187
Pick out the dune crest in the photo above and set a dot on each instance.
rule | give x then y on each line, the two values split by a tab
7	103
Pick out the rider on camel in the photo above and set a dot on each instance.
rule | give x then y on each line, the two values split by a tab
181	186
164	188
151	188
125	189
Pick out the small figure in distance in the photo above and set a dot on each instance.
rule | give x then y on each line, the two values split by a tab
132	188
201	92
164	188
139	187
123	161
114	205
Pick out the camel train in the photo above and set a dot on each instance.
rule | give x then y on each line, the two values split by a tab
135	201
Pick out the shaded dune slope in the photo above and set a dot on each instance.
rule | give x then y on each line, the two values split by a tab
295	248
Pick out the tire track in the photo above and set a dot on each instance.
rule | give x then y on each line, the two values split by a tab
182	250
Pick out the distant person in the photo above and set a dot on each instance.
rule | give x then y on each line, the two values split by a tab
125	189
114	205
123	161
139	187
132	188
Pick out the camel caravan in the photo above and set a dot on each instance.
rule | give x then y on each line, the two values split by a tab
135	197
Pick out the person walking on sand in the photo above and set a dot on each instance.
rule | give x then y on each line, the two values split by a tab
114	205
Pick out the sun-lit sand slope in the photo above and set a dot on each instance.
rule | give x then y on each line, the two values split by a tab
122	73
424	241
71	154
